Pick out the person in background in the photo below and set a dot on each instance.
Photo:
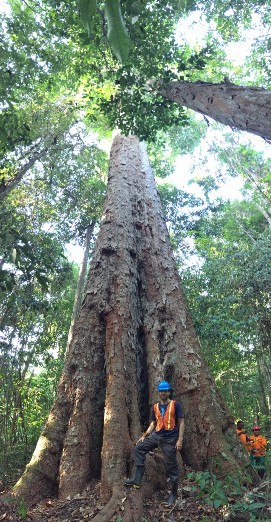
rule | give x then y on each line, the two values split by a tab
242	436
258	451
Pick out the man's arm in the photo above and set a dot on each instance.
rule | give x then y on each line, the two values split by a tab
148	431
179	443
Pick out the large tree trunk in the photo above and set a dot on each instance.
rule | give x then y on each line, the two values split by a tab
244	108
133	330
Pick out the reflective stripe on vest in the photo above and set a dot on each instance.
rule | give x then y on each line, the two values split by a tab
168	421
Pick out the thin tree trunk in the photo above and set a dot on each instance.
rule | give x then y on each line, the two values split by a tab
5	189
244	108
263	357
35	156
81	282
265	213
133	330
264	400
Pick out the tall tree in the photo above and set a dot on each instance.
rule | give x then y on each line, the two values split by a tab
134	321
134	329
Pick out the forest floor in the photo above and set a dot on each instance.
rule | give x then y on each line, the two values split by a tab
191	506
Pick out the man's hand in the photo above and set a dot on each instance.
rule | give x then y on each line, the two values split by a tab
147	433
141	438
179	445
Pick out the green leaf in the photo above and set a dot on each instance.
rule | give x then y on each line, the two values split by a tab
117	35
134	8
217	503
255	505
87	9
22	510
43	281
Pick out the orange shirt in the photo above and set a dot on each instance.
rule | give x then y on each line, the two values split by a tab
242	436
259	444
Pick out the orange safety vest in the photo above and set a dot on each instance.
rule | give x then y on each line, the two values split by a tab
259	444
242	436
168	421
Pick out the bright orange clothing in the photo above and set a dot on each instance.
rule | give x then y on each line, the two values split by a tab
242	436
168	421
259	444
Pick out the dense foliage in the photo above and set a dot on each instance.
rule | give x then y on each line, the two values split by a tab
228	284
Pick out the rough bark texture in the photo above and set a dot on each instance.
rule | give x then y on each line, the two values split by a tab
133	330
244	108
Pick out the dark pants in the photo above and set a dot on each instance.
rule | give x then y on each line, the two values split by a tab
258	463
167	445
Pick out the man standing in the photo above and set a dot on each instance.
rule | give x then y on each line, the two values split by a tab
166	432
243	436
258	451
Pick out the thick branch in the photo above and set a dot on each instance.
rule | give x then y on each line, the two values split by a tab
7	188
244	108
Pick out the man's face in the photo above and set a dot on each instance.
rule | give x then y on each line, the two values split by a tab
256	432
164	395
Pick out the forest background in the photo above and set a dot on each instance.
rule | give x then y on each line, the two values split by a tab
61	87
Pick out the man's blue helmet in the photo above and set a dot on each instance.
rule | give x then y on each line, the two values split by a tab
163	386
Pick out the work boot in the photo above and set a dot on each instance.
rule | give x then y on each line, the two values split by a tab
137	478
173	494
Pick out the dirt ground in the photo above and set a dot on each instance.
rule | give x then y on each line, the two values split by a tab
86	506
189	507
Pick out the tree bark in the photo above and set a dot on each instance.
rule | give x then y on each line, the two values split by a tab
244	108
133	330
